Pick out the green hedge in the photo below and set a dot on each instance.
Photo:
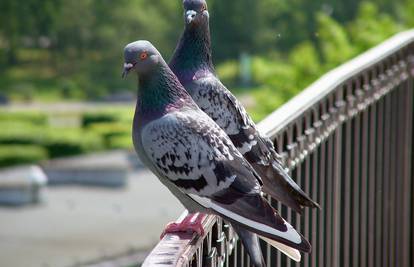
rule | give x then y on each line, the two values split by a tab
59	142
24	131
20	133
35	118
21	154
124	115
69	142
120	142
110	130
98	117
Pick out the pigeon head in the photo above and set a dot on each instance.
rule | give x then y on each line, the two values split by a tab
142	57
195	12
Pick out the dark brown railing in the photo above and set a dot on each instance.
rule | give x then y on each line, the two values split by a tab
348	142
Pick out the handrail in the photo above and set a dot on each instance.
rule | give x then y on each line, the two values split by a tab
336	139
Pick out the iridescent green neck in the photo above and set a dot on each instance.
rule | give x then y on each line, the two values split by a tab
159	90
193	52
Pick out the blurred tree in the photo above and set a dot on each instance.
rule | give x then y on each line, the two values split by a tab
368	21
77	45
334	41
24	22
235	27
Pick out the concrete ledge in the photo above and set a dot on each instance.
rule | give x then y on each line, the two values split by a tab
22	185
108	169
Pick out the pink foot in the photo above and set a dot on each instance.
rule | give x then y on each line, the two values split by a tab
192	223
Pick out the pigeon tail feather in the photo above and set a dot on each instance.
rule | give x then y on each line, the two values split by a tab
278	184
292	253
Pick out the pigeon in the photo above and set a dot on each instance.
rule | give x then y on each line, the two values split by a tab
192	64
197	161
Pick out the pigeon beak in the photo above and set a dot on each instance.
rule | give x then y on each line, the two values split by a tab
190	16
127	68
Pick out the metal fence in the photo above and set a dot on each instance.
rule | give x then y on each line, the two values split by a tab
348	141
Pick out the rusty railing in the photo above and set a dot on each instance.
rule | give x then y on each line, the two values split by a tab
348	142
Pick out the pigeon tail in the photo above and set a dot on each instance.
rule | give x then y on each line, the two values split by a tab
278	184
292	253
254	213
251	244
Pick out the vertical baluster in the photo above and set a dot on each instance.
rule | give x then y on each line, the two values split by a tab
371	186
298	179
322	191
289	212
379	195
397	206
315	193
407	98
242	255
235	254
392	177
307	218
347	170
282	143
356	189
329	162
363	179
336	192
267	248
295	215
306	185
387	179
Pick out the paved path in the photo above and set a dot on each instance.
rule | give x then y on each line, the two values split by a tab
78	224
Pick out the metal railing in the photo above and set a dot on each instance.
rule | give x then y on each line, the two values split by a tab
348	142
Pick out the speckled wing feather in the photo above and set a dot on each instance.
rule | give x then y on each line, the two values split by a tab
190	150
223	107
194	153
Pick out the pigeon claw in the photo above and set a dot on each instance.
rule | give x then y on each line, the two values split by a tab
192	223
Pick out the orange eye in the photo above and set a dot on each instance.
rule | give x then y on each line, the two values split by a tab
143	56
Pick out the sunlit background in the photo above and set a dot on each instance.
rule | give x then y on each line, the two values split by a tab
65	108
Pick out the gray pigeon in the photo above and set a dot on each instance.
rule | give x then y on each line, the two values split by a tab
196	160
192	63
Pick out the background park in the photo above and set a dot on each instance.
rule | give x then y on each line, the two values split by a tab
265	51
61	92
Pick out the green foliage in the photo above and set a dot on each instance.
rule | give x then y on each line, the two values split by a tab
283	75
22	129
58	142
110	129
114	134
20	133
120	142
334	41
102	129
21	154
35	118
407	11
46	54
267	99
229	72
372	26
68	142
98	117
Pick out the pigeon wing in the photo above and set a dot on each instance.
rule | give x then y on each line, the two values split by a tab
197	156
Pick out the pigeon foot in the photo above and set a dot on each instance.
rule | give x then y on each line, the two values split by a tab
192	223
